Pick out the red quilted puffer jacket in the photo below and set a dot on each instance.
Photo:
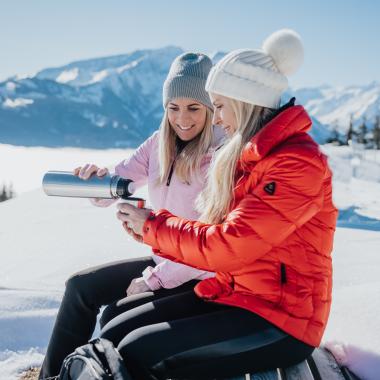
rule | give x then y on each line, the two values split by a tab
272	253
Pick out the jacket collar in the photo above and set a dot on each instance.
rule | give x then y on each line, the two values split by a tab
289	121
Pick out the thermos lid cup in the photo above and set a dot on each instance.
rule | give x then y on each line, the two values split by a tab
134	201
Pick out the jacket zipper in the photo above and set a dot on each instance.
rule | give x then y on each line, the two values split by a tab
283	273
170	174
282	281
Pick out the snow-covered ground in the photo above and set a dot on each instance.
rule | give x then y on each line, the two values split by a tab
25	167
45	239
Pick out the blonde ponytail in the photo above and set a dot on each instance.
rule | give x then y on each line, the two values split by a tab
215	200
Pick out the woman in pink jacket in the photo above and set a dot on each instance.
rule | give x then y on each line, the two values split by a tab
173	162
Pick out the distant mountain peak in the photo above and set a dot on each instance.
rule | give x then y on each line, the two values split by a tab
117	101
88	71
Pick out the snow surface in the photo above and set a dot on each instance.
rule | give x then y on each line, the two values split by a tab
18	102
43	240
10	86
25	167
67	75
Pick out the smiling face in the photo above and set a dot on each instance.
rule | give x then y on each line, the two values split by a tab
187	117
224	116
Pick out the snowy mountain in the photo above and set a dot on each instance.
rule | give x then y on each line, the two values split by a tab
104	102
117	102
334	106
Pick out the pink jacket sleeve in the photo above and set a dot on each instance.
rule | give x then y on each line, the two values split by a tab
169	274
136	167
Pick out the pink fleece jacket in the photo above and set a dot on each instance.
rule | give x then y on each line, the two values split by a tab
177	197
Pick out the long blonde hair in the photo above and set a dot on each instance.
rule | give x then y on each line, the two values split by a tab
188	161
214	201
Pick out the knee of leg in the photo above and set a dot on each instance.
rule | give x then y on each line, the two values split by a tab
136	350
108	313
77	285
144	341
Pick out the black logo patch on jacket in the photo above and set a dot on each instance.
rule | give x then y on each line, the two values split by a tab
270	188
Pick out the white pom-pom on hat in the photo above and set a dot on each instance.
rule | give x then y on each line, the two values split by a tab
286	49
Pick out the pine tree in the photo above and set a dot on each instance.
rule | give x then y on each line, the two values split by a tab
362	132
11	192
376	133
350	132
3	194
334	138
6	193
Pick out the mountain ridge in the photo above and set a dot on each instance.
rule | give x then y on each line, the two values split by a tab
116	101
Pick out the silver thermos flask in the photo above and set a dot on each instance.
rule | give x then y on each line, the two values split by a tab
66	184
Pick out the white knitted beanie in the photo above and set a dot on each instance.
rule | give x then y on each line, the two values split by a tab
258	76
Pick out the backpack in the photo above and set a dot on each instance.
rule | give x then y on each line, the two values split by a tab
97	359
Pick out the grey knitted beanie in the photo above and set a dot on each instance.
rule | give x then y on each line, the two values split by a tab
187	79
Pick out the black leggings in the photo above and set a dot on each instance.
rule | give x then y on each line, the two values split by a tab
184	337
166	333
86	292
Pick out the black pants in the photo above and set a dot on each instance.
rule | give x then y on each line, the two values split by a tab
184	337
86	292
168	333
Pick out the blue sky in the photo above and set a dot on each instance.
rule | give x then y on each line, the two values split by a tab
341	37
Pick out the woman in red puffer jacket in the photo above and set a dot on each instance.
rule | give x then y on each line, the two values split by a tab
266	229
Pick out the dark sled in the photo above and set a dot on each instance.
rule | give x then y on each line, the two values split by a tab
321	365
